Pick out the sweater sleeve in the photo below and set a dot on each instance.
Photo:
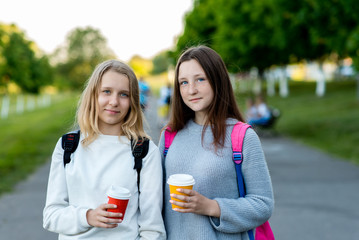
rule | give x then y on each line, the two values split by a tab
243	214
150	197
58	215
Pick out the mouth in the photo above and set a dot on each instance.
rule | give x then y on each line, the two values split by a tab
195	99
112	111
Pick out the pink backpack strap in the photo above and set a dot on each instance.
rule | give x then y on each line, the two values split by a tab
169	136
264	231
237	136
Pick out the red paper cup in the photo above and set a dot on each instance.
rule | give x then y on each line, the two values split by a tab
120	197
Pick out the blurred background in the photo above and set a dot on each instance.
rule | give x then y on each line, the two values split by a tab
302	56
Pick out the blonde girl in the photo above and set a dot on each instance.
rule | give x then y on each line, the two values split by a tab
109	116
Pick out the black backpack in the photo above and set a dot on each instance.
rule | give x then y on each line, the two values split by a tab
70	141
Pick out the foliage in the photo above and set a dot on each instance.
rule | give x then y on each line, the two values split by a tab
249	34
277	32
28	140
19	62
84	49
199	27
161	63
321	27
351	10
142	67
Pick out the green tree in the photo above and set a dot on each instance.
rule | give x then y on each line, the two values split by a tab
141	66
84	49
161	62
3	80
248	34
262	33
276	32
19	63
200	25
351	9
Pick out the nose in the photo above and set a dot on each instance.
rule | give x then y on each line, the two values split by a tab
113	100
192	88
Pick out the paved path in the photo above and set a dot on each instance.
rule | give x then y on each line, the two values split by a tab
316	195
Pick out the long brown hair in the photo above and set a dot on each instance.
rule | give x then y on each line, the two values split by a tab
87	111
224	104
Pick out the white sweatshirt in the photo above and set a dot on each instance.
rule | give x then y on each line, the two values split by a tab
83	183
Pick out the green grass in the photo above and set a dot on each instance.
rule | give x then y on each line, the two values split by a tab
28	140
329	123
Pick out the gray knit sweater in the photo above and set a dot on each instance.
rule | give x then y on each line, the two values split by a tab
215	178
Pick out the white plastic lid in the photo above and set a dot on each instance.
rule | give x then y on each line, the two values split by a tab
181	180
119	192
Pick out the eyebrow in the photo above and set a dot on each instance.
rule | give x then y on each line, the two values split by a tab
196	75
121	90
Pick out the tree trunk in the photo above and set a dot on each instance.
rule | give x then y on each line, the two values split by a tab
270	78
320	89
283	80
254	76
30	103
20	104
5	107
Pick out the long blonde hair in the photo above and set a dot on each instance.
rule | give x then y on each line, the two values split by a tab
87	110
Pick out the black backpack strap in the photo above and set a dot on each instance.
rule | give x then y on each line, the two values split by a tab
139	152
70	141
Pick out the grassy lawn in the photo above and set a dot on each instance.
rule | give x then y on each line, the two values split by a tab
329	123
28	140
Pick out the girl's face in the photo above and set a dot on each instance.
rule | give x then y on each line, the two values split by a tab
113	102
195	89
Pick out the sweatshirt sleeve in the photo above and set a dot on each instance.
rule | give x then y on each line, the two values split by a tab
161	146
243	214
150	220
58	215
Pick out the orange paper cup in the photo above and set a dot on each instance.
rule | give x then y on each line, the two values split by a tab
120	197
176	181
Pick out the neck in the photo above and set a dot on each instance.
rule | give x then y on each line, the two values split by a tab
200	118
114	131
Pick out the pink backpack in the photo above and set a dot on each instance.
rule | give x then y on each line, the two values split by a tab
264	231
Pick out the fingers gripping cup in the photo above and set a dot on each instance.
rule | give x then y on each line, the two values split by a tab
176	181
120	197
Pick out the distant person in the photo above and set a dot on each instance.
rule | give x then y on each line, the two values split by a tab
167	95
165	103
109	116
144	93
263	112
204	112
251	109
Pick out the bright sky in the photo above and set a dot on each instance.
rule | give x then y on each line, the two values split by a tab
142	27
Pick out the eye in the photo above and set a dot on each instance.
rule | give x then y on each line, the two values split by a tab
124	95
106	91
183	82
201	79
